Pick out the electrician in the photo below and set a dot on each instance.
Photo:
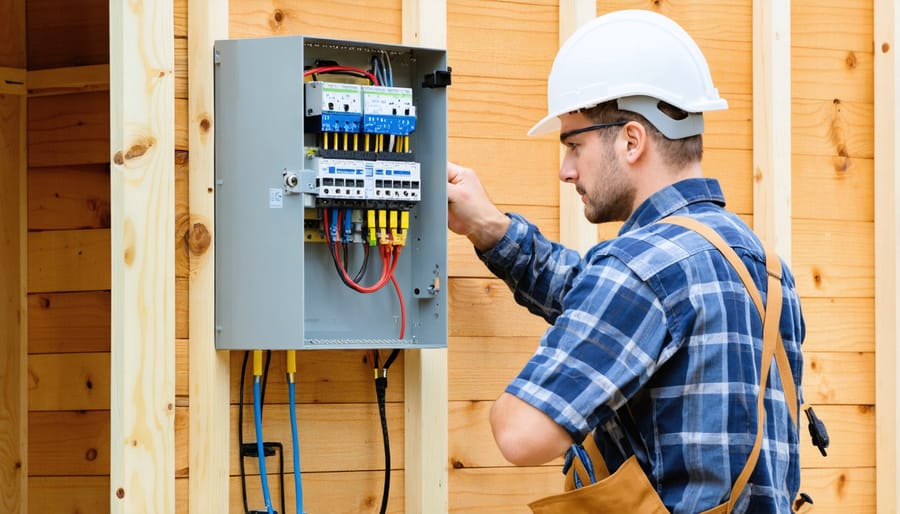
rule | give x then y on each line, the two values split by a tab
654	347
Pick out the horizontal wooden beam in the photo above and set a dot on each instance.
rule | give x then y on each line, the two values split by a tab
75	79
12	81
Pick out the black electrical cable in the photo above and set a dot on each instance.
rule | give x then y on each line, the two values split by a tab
241	432
381	394
265	380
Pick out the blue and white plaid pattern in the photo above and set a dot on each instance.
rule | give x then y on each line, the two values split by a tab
655	342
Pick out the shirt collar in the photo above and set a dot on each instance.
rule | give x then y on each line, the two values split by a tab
673	198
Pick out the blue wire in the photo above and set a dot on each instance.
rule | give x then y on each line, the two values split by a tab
257	418
298	486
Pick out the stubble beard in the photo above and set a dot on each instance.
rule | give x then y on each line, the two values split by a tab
612	197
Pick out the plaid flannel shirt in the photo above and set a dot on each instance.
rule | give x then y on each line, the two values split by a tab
656	344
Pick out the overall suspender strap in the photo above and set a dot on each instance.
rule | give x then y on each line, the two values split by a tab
773	346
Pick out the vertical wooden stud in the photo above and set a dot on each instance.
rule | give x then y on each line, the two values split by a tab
13	299
13	261
575	231
142	121
772	123
425	371
887	252
209	371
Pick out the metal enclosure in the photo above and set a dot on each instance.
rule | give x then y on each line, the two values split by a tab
276	285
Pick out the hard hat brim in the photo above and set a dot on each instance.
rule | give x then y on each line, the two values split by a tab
546	125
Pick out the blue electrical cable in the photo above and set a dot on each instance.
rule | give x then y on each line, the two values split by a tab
257	418
298	486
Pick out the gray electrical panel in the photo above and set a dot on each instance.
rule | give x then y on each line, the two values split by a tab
315	194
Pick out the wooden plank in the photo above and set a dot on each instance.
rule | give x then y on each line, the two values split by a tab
851	429
181	67
13	81
887	248
69	80
334	376
68	381
12	34
260	18
503	39
734	171
832	127
333	437
826	74
69	197
335	493
68	322
502	490
13	320
772	124
832	24
732	128
840	490
425	371
208	379
69	494
575	231
722	30
483	366
142	114
182	311
68	260
68	129
845	184
81	449
64	34
833	259
182	215
485	307
839	324
512	172
839	378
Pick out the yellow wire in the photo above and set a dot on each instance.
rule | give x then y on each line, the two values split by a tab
355	142
257	363
325	144
291	363
345	140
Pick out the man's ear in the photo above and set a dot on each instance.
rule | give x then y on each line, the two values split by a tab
635	141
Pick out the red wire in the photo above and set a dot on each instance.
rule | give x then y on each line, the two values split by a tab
326	69
402	306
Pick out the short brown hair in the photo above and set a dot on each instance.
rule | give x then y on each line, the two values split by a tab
677	152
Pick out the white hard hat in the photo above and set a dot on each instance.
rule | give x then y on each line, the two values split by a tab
638	58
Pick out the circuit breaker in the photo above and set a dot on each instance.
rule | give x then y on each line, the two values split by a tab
330	194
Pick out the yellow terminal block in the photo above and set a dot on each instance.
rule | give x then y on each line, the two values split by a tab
395	228
382	228
404	226
371	218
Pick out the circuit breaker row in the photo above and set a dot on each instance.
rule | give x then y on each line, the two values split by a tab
351	108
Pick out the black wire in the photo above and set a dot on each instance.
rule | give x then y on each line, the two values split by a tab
362	270
393	356
265	380
380	389
241	432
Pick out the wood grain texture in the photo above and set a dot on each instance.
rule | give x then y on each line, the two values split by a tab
81	449
68	129
12	34
13	317
834	259
69	494
142	149
70	197
832	24
845	184
68	80
206	426
343	19
68	381
68	260
64	34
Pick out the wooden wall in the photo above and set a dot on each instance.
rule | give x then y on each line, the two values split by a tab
500	53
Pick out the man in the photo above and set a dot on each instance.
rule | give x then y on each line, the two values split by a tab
654	343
